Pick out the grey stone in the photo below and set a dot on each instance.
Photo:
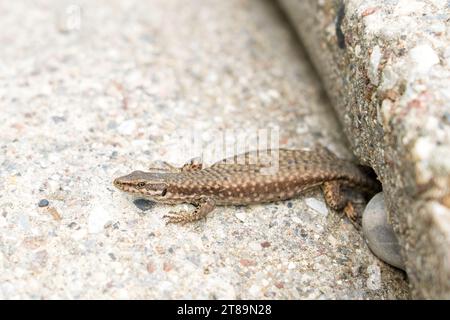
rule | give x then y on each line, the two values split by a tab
379	233
143	204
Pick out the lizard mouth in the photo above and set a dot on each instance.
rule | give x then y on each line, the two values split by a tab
123	187
118	184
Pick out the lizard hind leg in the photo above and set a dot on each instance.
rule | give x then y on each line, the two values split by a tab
337	200
203	207
194	164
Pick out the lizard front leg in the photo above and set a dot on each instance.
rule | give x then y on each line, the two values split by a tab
194	164
203	207
337	200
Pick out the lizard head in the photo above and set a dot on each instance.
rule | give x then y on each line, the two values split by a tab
146	184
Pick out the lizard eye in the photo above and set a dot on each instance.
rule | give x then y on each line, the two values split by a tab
164	192
141	184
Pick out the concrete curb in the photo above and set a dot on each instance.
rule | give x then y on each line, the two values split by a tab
386	68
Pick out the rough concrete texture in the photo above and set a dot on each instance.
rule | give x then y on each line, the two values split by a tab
93	90
386	67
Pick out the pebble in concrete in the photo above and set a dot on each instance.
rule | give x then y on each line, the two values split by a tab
43	203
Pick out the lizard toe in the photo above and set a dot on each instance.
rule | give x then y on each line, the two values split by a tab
175	217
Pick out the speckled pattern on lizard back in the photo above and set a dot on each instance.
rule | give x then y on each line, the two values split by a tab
245	179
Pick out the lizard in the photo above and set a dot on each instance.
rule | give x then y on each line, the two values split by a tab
244	179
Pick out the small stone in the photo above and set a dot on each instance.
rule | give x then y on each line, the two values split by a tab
24	221
375	59
112	125
122	294
97	220
108	225
379	234
247	262
374	279
54	213
144	204
332	240
369	11
423	57
159	249
73	225
167	266
254	290
40	258
447	117
43	203
279	285
33	242
254	246
269	294
265	244
58	119
151	267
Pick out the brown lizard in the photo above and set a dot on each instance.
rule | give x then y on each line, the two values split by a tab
244	179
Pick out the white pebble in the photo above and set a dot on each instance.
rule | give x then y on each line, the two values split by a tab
407	7
422	148
54	157
423	58
127	127
296	220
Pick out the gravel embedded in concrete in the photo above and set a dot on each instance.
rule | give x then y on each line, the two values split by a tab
43	203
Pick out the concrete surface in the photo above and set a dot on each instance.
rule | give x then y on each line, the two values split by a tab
386	66
90	90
